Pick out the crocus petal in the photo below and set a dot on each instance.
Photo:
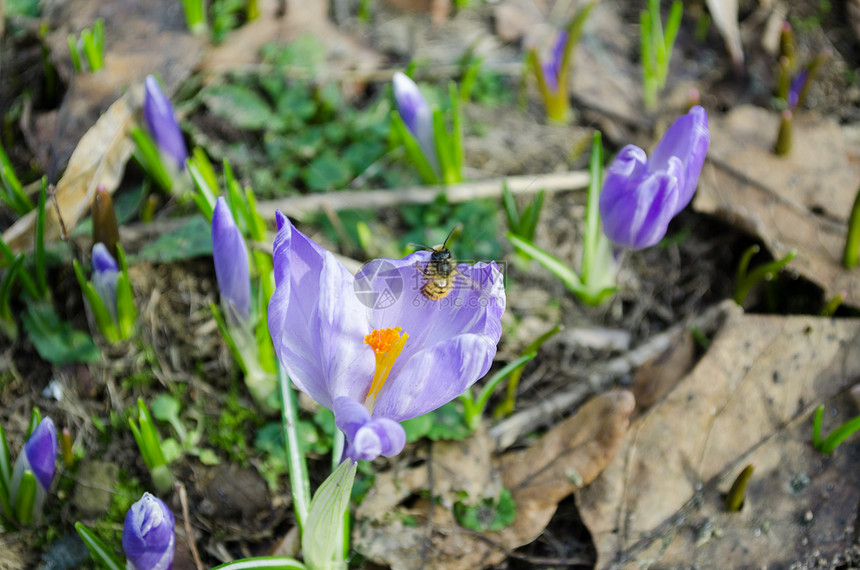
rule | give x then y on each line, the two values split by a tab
41	452
416	113
637	215
552	66
316	321
105	277
148	535
368	438
231	264
161	122
687	139
795	87
641	196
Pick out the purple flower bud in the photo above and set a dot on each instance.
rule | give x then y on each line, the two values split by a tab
552	67
161	122
40	452
231	264
641	196
795	87
105	277
147	535
416	113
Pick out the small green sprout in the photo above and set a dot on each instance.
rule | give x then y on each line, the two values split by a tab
737	494
11	192
522	224
837	436
657	47
149	443
195	16
851	253
473	408
747	279
596	281
90	47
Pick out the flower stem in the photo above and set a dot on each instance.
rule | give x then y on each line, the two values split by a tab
298	468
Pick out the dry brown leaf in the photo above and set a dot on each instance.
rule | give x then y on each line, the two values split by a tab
749	399
656	377
99	159
242	47
567	457
132	28
800	201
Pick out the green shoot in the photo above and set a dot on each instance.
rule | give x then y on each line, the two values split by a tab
11	191
851	253
149	443
737	494
746	280
506	406
836	437
90	47
657	47
195	16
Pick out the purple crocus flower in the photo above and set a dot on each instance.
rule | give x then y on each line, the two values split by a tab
374	348
231	264
417	115
641	196
105	277
147	535
161	122
552	67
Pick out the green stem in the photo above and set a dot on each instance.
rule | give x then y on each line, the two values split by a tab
852	240
298	468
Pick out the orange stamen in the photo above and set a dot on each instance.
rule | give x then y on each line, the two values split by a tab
387	344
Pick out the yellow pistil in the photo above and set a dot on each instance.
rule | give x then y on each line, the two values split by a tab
387	344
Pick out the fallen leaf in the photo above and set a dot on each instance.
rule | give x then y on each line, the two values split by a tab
800	201
99	159
656	377
390	530
131	30
749	400
242	47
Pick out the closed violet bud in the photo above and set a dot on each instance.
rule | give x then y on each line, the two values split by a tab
640	196
38	456
147	536
416	113
552	66
161	122
231	264
105	276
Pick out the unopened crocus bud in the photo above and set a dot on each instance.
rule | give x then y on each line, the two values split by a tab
39	456
416	113
105	227
105	277
161	123
231	264
147	536
552	66
641	196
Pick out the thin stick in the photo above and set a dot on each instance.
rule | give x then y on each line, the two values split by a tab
189	537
